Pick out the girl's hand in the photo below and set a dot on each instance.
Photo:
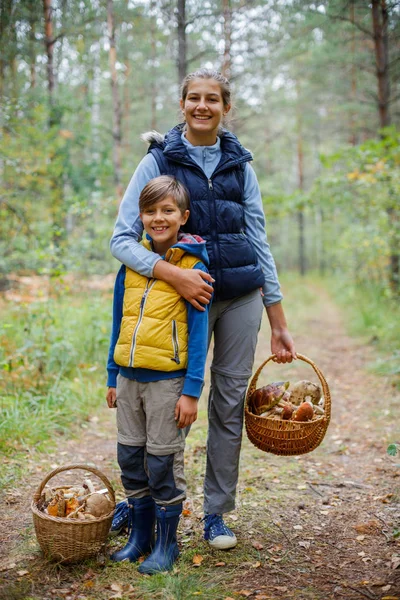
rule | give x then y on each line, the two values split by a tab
282	346
191	284
185	411
112	397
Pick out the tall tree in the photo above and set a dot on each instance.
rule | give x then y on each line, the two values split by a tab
49	47
182	43
380	21
227	15
116	105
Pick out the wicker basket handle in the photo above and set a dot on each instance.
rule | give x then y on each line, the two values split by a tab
93	470
325	388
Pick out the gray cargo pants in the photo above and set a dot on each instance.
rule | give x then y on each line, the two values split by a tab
235	324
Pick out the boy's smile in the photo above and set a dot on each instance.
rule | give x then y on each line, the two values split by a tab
162	222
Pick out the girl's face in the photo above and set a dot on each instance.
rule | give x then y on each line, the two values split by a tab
203	109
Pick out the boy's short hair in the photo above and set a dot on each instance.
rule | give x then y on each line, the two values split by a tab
159	188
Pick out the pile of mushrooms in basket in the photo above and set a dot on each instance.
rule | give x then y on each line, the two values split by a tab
301	401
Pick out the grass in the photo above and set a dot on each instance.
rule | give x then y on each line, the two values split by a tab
53	358
52	361
373	313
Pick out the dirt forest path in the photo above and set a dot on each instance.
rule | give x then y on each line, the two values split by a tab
320	526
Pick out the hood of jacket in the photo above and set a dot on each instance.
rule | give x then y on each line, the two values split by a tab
187	243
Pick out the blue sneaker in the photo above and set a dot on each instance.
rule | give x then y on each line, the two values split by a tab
119	523
217	534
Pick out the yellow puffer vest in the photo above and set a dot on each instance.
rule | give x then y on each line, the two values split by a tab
154	333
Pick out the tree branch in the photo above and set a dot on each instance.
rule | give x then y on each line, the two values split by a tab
367	32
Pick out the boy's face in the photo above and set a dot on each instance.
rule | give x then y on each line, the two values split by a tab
162	222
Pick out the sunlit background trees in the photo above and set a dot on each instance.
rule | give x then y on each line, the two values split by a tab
316	88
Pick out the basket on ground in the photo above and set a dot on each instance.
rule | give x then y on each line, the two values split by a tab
69	540
286	438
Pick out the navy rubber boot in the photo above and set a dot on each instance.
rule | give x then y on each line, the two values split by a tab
166	550
141	527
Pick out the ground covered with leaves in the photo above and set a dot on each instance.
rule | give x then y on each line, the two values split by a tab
320	526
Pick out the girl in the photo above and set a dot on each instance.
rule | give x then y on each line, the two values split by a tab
226	210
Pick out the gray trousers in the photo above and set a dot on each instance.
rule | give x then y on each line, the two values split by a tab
235	325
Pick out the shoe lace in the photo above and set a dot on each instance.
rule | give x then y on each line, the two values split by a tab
211	521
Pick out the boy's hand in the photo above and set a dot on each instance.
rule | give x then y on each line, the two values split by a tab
185	411
112	397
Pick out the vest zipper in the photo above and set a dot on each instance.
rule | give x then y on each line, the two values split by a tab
175	343
141	311
210	185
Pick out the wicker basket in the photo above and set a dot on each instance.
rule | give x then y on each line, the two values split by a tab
286	438
69	540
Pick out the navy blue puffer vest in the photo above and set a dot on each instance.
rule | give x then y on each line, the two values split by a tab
216	210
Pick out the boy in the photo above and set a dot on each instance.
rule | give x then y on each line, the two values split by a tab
155	375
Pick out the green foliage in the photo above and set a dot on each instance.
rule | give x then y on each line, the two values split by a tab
393	449
52	358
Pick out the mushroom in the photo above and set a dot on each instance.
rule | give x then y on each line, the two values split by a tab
98	505
303	390
305	412
267	397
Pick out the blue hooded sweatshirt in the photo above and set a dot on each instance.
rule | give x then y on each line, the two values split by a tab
197	331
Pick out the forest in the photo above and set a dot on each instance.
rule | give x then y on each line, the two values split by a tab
316	99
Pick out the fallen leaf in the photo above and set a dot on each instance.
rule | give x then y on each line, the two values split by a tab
298	527
197	560
368	528
8	567
262	597
257	546
386	588
186	512
280	588
22	573
390	598
256	565
233	517
88	584
220	564
116	587
244	593
305	545
229	598
90	574
360	538
395	561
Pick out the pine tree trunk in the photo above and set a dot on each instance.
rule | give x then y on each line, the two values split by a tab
153	87
380	28
116	121
353	136
227	12
49	45
300	164
182	42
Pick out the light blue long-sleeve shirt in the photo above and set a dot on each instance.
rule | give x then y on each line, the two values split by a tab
125	242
